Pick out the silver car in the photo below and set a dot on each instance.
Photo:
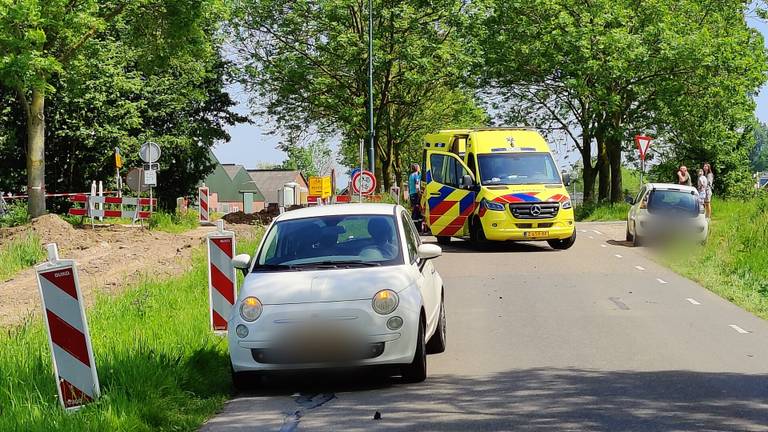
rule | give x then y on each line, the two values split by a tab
662	211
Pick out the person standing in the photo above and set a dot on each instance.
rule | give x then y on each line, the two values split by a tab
414	190
683	176
707	169
701	186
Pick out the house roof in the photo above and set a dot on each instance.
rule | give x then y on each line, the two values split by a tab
229	181
269	181
232	169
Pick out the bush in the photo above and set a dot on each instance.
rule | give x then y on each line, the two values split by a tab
15	215
19	254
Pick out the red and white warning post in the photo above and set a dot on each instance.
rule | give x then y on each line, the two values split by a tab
222	279
68	336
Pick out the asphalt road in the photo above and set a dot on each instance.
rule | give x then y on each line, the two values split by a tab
596	338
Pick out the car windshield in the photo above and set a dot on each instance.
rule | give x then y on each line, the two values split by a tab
517	168
673	202
338	241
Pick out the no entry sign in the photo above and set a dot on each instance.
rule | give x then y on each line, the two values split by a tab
222	279
363	181
68	336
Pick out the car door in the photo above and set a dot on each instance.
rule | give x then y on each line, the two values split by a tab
424	271
447	205
633	211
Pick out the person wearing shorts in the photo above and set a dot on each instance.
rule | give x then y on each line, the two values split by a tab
707	170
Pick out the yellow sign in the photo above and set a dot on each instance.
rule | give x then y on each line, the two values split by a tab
320	186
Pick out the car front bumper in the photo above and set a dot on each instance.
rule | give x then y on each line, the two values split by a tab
502	226
256	351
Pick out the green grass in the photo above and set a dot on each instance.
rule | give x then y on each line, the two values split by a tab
734	263
601	212
19	254
174	223
159	365
15	215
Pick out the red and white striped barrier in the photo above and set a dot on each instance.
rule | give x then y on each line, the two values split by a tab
202	196
222	279
68	336
93	211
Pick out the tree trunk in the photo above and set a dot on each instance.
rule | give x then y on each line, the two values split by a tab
36	154
614	154
588	177
603	167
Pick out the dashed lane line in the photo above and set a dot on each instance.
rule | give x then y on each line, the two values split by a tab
738	329
591	238
618	256
641	268
693	301
661	281
597	232
603	246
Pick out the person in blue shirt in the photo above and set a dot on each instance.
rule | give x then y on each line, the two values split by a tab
414	190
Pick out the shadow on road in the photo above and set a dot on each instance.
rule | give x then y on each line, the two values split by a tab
623	243
461	246
542	399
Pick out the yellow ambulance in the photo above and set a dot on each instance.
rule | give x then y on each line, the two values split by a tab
495	184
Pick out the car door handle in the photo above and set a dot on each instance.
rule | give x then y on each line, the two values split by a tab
435	194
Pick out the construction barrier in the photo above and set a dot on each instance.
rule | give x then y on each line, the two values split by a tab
202	195
94	207
222	279
68	336
340	199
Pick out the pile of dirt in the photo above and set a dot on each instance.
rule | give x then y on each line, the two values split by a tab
264	217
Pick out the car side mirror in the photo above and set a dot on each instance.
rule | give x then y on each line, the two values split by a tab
566	179
242	262
429	251
467	182
629	200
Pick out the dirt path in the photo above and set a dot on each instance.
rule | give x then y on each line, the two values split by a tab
109	259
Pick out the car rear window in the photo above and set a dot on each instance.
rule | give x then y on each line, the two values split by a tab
672	202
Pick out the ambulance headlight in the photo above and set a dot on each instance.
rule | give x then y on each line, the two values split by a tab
490	205
250	309
385	302
567	205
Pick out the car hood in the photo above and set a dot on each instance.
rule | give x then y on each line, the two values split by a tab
311	286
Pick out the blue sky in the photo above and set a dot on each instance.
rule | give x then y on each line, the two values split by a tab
251	145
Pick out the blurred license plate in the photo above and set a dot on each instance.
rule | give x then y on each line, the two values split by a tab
536	234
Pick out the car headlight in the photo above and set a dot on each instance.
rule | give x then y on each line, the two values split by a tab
385	302
566	205
490	205
250	309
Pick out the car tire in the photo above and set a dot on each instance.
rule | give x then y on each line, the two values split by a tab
438	341
637	241
443	240
245	380
416	371
477	235
629	236
563	244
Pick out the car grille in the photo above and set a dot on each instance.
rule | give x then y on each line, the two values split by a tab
356	353
541	210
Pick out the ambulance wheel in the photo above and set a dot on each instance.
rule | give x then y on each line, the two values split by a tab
564	243
444	240
477	235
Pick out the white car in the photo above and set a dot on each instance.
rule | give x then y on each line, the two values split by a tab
338	285
664	210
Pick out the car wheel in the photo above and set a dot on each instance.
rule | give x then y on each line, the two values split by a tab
637	241
438	341
416	371
564	243
444	240
245	380
629	237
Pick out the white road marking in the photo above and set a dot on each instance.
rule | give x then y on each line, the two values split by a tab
597	232
693	301
641	268
738	329
618	256
604	246
662	281
583	231
591	238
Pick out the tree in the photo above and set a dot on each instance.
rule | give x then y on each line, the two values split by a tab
602	71
306	64
43	39
312	157
758	156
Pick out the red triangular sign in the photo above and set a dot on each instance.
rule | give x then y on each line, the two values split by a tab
643	144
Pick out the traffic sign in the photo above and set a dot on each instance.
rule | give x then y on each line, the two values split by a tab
149	152
136	180
150	177
151	166
364	181
643	144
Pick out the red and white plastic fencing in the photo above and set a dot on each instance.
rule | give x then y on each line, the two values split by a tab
222	279
202	197
95	207
68	336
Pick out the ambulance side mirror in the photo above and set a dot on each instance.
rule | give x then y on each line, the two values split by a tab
467	182
566	179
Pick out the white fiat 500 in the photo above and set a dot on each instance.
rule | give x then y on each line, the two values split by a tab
336	286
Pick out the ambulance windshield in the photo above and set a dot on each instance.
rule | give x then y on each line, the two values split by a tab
517	168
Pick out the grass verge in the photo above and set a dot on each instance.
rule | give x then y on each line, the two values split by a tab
734	263
174	223
19	254
159	365
601	212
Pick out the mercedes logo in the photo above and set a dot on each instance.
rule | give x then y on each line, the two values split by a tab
535	210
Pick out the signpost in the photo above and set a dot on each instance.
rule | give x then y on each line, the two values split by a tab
643	143
150	153
363	183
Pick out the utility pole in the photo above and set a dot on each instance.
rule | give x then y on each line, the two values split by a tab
371	160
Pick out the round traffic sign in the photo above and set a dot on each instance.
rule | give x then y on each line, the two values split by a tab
149	152
364	181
